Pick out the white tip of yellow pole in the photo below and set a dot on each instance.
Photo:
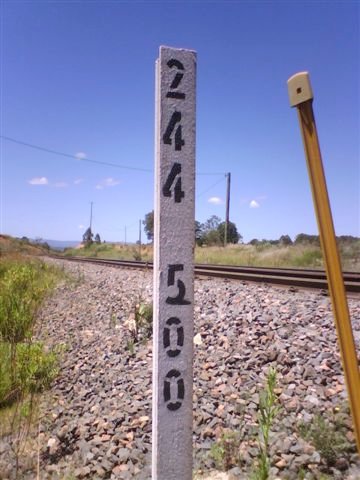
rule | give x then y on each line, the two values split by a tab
299	88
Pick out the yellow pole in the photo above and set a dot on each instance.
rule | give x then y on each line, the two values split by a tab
301	96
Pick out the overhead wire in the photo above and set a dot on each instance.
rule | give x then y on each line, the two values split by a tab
210	187
86	159
68	155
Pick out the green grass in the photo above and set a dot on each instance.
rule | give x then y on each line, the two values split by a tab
32	371
23	287
25	366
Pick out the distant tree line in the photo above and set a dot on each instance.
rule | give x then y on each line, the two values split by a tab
303	239
211	232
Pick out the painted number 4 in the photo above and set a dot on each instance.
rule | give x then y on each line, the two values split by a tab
171	179
172	126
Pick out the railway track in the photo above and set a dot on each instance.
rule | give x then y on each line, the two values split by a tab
281	276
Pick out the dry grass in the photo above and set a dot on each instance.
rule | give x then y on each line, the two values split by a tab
114	251
263	255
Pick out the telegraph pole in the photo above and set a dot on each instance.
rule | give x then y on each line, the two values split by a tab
91	207
228	177
140	239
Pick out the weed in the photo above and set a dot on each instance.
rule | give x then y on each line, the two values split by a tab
137	254
144	318
327	436
301	474
225	452
268	410
112	321
130	346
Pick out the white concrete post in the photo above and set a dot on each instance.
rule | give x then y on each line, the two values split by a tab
174	224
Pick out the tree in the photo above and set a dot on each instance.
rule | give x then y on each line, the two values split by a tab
213	238
285	240
199	233
305	238
97	238
88	237
211	223
149	225
232	234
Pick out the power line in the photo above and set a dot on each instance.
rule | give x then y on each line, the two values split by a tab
209	188
99	162
68	155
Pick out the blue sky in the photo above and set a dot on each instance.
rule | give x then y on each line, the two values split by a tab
78	78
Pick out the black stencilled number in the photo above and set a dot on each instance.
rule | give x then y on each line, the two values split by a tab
177	79
180	297
178	193
174	120
173	352
170	377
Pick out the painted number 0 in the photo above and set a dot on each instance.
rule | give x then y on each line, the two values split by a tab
173	352
170	378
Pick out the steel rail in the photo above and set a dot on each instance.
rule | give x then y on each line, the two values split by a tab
305	278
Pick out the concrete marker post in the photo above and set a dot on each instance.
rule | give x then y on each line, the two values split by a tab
301	96
174	239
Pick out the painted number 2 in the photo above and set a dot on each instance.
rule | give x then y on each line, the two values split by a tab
177	79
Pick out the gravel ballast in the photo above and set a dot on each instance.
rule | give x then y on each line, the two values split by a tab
96	419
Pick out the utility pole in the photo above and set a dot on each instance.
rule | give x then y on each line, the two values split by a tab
228	176
140	239
91	205
125	234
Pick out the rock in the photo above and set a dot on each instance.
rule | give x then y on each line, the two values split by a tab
82	472
123	454
100	404
341	464
51	443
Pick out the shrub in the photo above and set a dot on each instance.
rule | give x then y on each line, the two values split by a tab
24	366
17	303
30	370
225	452
328	437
